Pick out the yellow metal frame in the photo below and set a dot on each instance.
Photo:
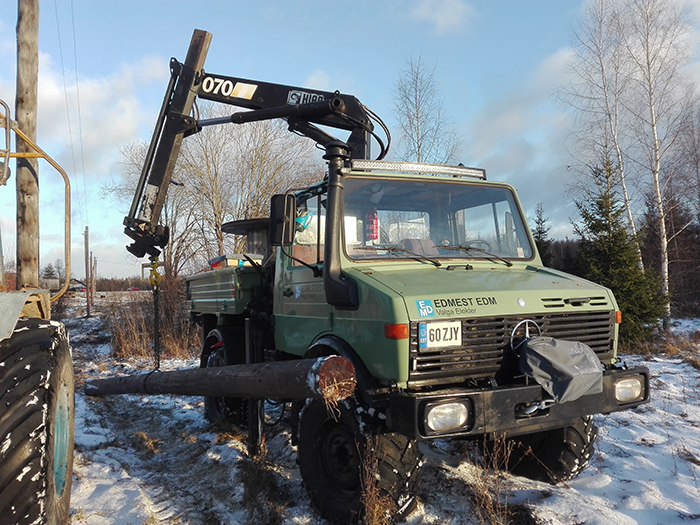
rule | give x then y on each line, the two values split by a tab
38	153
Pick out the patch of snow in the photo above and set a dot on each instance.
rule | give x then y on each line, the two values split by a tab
24	472
646	469
6	444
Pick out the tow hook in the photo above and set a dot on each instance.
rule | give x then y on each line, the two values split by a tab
532	408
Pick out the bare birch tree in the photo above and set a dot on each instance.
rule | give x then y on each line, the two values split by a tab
655	37
632	97
426	134
271	160
599	67
208	171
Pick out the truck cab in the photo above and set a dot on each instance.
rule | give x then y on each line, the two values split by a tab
446	271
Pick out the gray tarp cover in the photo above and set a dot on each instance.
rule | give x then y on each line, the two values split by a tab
567	370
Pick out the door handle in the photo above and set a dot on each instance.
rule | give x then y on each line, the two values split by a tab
288	292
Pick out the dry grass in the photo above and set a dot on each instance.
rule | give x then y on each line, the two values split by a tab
59	308
687	455
264	498
682	346
232	434
145	444
379	506
490	485
131	322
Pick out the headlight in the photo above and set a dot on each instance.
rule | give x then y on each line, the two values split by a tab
446	416
629	389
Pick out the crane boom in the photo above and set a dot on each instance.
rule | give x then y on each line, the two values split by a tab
303	109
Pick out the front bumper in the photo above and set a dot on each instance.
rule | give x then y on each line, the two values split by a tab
500	409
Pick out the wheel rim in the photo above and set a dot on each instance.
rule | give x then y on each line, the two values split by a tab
216	359
340	459
61	440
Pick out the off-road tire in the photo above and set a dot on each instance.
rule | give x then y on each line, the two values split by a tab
223	411
554	455
36	424
335	450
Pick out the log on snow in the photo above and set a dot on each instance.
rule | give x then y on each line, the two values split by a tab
331	378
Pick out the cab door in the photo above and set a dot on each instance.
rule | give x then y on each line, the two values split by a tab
301	311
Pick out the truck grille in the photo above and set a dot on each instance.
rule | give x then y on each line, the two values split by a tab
486	352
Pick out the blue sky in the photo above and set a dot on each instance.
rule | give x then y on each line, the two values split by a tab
498	64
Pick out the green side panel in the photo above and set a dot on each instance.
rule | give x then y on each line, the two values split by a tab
226	291
363	329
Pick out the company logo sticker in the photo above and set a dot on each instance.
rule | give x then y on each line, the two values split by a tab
425	308
302	97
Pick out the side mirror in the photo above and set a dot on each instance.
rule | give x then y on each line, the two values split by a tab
283	210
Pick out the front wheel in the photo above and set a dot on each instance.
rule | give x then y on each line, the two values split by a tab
344	468
554	455
36	424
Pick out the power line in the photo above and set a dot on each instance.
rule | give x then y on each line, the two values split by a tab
65	87
83	204
80	120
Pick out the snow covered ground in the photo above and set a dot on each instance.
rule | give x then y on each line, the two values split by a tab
156	460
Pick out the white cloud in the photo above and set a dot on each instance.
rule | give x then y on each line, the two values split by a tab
553	72
519	138
444	15
325	81
695	7
319	79
694	73
114	110
110	112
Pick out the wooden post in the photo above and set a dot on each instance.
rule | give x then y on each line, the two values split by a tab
331	378
93	278
87	271
27	169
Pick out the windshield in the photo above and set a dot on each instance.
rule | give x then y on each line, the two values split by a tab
393	218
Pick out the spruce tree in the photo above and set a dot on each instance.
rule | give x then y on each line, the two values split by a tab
541	236
608	252
49	272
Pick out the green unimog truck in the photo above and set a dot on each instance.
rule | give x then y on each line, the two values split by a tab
426	278
440	283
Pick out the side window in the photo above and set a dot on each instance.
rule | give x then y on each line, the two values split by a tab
310	231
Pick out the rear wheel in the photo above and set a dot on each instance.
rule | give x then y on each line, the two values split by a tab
554	455
222	410
348	472
36	425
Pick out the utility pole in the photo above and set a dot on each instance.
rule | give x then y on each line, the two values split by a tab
93	273
87	270
27	169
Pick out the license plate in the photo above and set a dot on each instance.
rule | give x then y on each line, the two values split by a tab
439	335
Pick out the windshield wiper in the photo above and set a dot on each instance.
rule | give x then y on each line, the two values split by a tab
490	256
394	250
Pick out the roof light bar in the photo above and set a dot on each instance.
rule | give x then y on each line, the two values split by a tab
416	167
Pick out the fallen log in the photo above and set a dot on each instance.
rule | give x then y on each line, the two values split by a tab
330	378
